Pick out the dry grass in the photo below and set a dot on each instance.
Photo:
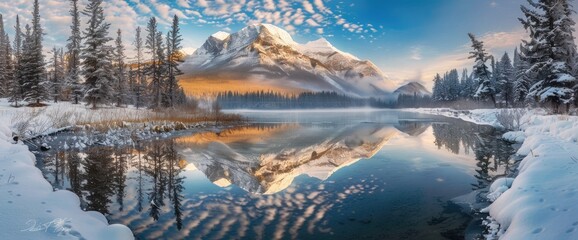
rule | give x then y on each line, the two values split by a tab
109	118
118	117
28	122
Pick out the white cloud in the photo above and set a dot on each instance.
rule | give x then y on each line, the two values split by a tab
284	13
144	8
202	3
269	4
184	3
415	53
498	40
312	23
307	6
319	4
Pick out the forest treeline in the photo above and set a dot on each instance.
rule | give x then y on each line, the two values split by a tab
542	73
276	100
93	67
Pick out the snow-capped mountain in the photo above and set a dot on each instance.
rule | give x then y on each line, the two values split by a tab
412	88
269	54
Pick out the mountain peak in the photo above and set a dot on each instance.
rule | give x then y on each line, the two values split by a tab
277	32
413	88
269	52
322	42
221	35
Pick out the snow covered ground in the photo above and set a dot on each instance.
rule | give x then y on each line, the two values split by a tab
477	116
35	121
540	203
30	209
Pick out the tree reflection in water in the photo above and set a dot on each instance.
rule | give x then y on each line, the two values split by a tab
99	175
492	153
98	178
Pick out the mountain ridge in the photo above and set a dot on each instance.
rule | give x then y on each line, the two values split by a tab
267	52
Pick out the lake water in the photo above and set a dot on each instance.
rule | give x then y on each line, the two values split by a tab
291	175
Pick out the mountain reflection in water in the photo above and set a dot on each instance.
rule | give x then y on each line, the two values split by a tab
299	180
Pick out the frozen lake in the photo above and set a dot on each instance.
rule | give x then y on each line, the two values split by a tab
292	175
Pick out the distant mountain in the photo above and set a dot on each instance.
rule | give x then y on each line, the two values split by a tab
268	55
412	88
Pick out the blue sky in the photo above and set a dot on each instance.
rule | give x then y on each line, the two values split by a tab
410	40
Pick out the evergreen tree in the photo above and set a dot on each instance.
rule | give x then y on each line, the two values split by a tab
453	85
481	73
552	51
74	48
505	80
16	90
97	56
437	88
33	83
35	80
57	73
162	72
468	85
140	80
495	73
9	67
522	82
154	44
120	70
4	77
174	40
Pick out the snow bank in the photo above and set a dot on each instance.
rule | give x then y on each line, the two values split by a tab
515	136
30	209
498	187
477	116
540	203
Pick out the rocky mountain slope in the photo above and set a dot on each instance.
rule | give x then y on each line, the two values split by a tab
268	54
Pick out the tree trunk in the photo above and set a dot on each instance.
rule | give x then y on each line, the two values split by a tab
494	100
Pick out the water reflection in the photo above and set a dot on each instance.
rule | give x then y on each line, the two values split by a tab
267	158
492	153
297	180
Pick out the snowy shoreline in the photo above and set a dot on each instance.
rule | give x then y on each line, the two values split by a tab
30	208
540	201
